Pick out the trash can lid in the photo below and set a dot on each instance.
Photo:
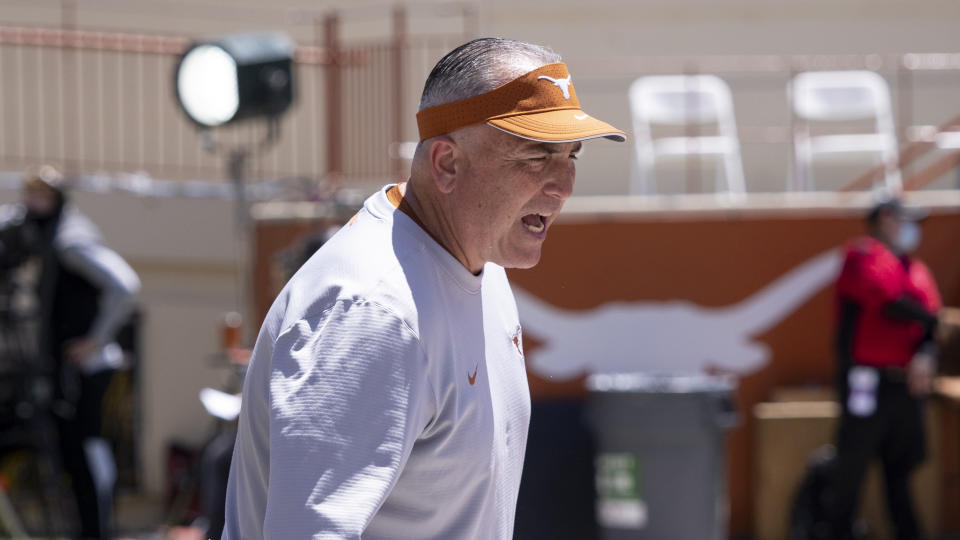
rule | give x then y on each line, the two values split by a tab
659	383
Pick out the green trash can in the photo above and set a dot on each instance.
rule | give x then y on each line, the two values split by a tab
660	465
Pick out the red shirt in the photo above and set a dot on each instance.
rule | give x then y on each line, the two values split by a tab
872	277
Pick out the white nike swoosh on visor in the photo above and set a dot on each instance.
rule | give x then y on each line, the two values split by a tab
581	116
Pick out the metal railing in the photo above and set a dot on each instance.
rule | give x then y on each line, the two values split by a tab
103	102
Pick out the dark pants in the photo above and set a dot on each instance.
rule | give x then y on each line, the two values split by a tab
215	471
895	434
94	503
557	494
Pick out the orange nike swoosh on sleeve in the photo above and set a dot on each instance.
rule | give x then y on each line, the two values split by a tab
473	378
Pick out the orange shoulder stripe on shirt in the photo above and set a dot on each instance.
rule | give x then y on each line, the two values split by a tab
397	200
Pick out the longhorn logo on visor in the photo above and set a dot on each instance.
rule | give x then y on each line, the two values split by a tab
562	84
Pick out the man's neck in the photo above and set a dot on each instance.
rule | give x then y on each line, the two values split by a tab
435	223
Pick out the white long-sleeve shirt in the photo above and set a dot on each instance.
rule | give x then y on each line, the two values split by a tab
386	396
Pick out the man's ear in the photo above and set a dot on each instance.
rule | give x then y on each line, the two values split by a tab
444	155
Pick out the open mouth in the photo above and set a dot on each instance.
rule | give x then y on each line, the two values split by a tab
535	223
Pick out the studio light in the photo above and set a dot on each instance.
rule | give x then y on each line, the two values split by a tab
235	77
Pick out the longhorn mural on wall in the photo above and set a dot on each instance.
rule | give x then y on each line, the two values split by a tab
676	336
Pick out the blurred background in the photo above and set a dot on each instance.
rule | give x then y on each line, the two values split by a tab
739	177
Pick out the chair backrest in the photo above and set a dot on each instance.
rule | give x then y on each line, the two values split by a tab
681	99
840	95
837	96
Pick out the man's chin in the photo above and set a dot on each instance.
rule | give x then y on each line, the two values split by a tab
521	262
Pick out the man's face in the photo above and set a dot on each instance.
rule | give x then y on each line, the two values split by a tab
39	201
508	193
888	227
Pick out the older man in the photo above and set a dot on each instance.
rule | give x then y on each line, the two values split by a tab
387	395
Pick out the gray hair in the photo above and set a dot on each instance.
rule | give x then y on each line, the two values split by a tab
479	66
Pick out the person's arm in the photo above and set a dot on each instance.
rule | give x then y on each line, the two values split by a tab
12	214
923	368
118	285
908	309
349	395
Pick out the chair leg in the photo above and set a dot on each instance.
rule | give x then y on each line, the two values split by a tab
646	182
733	167
892	175
802	174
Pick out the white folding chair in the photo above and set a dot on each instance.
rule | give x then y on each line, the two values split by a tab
842	96
684	100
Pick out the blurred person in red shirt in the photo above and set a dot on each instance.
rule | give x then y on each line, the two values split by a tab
887	303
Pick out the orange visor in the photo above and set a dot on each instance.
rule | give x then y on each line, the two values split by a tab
540	105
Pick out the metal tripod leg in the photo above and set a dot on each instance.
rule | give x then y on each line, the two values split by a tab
50	473
40	433
8	517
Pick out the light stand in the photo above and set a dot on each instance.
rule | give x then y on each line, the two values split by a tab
241	76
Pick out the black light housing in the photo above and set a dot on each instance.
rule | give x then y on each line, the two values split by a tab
237	76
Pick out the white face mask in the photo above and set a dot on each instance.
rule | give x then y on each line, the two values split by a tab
909	238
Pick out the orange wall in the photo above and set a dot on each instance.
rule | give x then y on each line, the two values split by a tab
714	263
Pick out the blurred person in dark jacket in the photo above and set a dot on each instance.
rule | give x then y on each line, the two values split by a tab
85	293
888	306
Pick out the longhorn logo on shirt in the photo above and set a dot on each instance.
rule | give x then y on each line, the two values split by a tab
669	337
518	340
562	84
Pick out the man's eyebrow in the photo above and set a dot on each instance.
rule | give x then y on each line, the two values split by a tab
551	148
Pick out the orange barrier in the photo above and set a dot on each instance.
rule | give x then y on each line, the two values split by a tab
713	262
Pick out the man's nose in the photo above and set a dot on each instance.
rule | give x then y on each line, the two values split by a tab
560	183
